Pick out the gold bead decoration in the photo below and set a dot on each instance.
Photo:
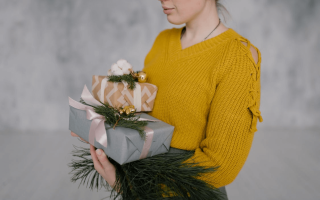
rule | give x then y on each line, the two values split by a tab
132	110
121	111
133	74
128	110
142	77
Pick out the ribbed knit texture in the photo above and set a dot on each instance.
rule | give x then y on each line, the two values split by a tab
210	93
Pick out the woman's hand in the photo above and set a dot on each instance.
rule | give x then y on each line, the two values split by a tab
101	163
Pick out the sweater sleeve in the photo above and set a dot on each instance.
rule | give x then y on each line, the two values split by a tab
230	128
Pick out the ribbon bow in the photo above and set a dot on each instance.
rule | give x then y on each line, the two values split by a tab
97	128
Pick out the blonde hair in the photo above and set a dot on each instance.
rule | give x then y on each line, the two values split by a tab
221	9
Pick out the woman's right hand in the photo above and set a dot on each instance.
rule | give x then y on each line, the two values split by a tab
75	135
101	163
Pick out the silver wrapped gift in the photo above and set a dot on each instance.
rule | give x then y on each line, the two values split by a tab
122	144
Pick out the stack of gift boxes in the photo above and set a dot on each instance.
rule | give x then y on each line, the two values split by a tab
122	144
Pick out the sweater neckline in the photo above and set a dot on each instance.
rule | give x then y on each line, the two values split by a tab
203	45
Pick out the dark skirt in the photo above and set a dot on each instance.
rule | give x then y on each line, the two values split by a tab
174	150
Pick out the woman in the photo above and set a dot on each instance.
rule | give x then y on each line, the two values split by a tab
208	78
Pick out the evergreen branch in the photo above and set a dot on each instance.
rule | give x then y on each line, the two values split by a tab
114	118
126	77
151	178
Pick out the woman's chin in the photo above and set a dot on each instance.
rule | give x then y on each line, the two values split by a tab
174	20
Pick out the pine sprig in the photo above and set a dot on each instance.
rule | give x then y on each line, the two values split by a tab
84	170
114	118
151	178
126	77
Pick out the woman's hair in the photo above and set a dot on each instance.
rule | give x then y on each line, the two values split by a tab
221	8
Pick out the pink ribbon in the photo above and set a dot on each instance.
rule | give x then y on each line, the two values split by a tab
147	143
97	129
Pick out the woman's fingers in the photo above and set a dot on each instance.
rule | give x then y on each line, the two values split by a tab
75	135
104	160
108	167
103	165
84	140
96	162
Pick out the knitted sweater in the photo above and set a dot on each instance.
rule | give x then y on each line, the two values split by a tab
210	93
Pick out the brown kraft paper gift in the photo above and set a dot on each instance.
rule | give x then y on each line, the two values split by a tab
120	95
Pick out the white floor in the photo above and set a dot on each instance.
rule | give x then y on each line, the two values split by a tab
282	165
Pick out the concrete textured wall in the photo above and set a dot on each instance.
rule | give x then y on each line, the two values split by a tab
50	48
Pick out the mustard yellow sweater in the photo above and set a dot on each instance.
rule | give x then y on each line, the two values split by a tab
210	93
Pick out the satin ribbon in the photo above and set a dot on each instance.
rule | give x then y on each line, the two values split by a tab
97	129
147	143
136	94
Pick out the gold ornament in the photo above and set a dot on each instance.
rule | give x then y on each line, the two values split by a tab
127	110
142	77
121	111
134	74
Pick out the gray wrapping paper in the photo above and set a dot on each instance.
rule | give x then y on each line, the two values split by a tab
124	144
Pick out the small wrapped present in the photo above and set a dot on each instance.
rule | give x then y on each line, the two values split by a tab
122	144
117	94
125	87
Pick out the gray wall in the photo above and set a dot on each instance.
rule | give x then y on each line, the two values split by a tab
50	48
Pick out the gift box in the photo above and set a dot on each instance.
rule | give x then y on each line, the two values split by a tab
118	94
122	144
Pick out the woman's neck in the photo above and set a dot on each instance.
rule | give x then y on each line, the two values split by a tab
200	27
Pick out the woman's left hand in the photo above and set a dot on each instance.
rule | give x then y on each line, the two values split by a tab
103	165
